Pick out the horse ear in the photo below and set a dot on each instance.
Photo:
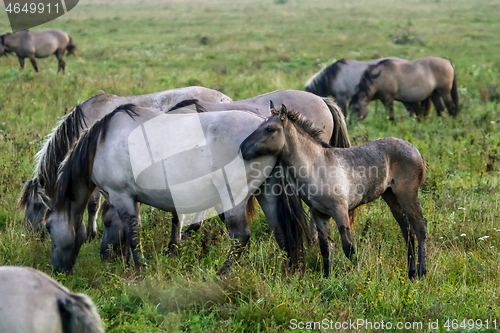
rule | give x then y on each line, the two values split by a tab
24	182
46	200
283	112
272	108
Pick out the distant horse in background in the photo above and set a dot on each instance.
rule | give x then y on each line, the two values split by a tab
59	142
32	302
334	181
340	80
410	82
31	44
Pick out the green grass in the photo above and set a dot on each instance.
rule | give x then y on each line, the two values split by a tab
253	47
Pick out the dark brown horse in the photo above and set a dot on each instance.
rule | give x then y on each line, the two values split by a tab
31	44
333	181
411	82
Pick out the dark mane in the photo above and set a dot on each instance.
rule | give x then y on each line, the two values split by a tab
30	190
186	103
366	81
307	126
79	162
2	40
318	84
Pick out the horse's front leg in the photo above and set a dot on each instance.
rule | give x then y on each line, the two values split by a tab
128	210
322	223
239	233
33	63
92	208
389	105
21	62
340	214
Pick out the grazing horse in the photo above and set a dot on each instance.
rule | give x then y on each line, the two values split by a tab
333	181
31	44
32	302
180	163
339	80
69	129
410	82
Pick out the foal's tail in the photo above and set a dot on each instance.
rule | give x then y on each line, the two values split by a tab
79	314
70	48
454	94
340	137
80	161
292	219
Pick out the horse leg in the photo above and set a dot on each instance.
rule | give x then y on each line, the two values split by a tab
175	235
33	62
239	233
92	208
342	103
407	231
389	106
128	210
323	226
340	214
61	65
448	101
21	62
436	100
408	199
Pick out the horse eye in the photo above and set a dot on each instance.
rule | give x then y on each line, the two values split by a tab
270	129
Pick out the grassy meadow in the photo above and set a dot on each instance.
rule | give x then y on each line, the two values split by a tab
247	48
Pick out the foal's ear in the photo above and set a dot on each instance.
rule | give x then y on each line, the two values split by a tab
272	108
283	112
46	200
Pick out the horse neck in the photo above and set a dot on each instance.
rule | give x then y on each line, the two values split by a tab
12	41
303	153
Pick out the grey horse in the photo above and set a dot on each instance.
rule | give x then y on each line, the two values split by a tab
340	80
31	45
32	302
178	163
69	129
333	181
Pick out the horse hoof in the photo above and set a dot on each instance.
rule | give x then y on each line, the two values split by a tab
412	274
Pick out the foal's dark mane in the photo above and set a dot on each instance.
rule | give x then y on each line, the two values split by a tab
80	160
307	126
186	103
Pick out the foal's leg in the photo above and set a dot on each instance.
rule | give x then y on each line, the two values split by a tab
92	208
322	222
404	224
411	206
341	216
436	100
239	233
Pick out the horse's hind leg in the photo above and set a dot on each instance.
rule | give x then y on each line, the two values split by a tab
239	233
341	216
322	222
404	224
92	208
408	199
61	65
436	100
448	101
175	235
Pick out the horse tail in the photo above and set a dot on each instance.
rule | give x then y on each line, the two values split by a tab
454	94
340	136
292	218
80	161
79	314
251	209
70	48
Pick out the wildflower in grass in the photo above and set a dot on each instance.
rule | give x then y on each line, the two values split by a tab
463	235
483	238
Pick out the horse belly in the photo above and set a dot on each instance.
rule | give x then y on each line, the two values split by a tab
44	50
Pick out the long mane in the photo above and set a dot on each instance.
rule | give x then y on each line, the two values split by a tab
366	81
318	83
79	162
306	126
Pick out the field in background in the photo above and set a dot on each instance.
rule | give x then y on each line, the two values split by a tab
248	48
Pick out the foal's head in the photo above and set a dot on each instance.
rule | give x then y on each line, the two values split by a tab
270	137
